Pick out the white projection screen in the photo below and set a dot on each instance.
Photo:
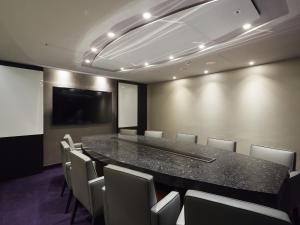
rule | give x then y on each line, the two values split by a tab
127	105
21	102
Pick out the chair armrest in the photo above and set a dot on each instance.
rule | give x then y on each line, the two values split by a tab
180	220
96	196
86	147
68	174
78	145
95	170
105	206
166	211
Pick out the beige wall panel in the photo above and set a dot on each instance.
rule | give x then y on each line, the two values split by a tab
255	105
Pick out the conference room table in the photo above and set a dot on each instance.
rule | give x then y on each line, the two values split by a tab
182	166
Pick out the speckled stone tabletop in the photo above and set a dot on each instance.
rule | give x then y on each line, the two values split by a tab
230	174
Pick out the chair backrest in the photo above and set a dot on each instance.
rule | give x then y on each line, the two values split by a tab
128	131
191	138
130	195
207	209
69	140
222	144
283	157
82	171
64	152
65	158
153	133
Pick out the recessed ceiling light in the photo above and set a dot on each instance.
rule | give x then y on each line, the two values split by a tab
111	34
174	78
202	46
238	11
87	61
247	26
122	69
147	15
251	63
93	49
206	71
171	57
146	64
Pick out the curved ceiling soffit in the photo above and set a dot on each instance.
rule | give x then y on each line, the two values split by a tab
171	7
160	11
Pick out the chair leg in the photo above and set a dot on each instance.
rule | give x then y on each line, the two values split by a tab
74	211
69	201
63	188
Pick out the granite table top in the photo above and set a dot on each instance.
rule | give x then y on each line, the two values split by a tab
160	156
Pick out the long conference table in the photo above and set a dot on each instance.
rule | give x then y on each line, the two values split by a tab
184	166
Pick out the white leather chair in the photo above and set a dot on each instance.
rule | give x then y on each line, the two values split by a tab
291	196
222	144
66	164
73	146
128	132
130	199
283	157
87	186
209	209
190	138
153	133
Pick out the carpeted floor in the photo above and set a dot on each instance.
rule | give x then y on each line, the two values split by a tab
36	200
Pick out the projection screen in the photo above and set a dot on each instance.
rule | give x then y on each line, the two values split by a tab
21	102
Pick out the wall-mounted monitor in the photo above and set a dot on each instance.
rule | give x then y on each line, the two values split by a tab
79	107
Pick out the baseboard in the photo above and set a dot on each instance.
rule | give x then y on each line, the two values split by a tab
52	166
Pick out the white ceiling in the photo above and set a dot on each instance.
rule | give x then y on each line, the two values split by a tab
58	33
158	40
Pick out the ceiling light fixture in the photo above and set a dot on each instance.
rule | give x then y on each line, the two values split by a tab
206	71
147	15
110	34
251	63
122	69
174	78
93	49
171	57
87	61
247	26
202	46
146	64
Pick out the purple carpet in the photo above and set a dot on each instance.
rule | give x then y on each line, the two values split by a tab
36	200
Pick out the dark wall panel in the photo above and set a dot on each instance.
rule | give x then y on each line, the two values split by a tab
142	108
21	156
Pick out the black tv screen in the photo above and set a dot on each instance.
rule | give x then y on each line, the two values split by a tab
76	106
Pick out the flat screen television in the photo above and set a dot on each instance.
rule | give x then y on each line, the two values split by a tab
76	106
